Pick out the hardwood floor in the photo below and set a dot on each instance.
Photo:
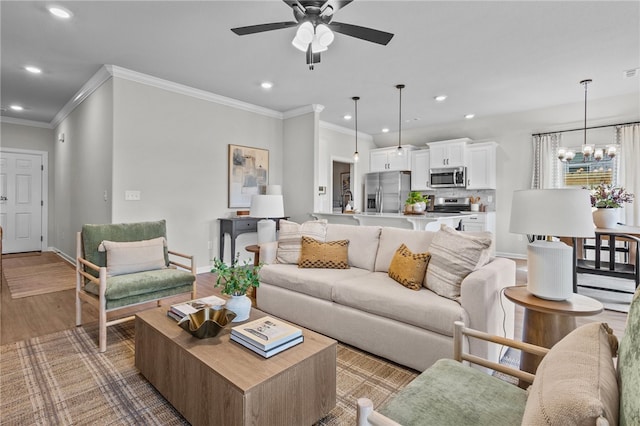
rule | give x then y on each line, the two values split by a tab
39	315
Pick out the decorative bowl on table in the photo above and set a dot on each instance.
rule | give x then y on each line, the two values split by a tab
207	322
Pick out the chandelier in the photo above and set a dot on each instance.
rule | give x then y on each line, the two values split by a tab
589	151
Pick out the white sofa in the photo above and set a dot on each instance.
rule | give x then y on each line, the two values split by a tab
362	306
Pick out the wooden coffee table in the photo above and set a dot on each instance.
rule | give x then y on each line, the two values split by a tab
219	382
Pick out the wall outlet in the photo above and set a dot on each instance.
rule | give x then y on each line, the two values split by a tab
489	198
132	195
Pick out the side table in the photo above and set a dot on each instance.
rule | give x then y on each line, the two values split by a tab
253	291
235	226
547	321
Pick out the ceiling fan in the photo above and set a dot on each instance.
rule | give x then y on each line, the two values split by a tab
314	19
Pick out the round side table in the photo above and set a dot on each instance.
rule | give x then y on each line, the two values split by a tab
253	292
547	321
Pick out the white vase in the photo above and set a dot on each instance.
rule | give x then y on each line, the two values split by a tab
605	218
241	306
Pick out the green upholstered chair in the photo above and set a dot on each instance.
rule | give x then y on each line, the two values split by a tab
576	383
127	264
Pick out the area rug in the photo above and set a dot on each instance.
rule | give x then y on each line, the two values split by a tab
612	300
40	278
62	379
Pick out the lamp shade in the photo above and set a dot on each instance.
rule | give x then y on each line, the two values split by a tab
267	206
556	212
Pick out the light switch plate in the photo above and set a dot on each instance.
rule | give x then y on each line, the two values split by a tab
132	195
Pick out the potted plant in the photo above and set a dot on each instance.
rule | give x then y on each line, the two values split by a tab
235	281
415	203
607	199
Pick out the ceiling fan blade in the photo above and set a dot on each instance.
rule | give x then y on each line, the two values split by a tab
364	33
252	29
335	4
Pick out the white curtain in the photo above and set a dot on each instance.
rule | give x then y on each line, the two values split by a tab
547	168
629	173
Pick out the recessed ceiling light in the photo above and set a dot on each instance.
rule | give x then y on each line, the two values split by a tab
16	107
469	116
60	12
385	130
266	85
440	98
32	69
347	117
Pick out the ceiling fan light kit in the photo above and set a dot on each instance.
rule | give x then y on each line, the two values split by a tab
315	27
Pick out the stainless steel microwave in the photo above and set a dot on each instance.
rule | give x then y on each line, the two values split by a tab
451	177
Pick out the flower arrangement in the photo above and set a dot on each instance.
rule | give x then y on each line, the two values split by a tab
609	197
236	279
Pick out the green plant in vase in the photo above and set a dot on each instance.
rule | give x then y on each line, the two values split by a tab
415	203
235	281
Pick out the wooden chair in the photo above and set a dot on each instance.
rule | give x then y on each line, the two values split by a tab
148	273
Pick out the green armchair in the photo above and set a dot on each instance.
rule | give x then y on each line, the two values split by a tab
127	264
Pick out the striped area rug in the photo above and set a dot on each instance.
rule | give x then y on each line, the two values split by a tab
61	379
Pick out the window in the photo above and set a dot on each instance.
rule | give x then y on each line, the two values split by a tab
583	173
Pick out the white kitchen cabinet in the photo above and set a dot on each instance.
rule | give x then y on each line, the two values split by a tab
448	153
420	170
386	159
481	165
481	222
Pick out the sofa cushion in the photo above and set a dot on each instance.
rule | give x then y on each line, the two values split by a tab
575	383
363	243
408	268
390	240
629	366
330	255
440	396
454	255
378	294
313	282
134	256
290	234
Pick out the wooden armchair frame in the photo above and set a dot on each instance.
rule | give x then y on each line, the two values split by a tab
100	301
367	416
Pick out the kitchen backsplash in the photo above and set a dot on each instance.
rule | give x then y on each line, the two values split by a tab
484	194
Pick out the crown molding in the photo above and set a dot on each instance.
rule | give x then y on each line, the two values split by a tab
345	130
307	109
85	91
189	91
23	122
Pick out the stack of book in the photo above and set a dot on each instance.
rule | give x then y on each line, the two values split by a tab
266	336
181	310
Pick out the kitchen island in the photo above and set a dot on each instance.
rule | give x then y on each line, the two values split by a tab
423	222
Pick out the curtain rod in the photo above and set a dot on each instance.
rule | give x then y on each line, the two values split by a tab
588	128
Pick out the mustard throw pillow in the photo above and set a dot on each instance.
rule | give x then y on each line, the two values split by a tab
408	268
329	255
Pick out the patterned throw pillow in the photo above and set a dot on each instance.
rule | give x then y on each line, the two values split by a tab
289	238
454	255
409	268
329	255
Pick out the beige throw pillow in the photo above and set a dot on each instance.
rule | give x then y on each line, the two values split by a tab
289	238
576	383
408	268
135	256
454	255
329	255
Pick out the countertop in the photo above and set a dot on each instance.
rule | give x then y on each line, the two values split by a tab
428	221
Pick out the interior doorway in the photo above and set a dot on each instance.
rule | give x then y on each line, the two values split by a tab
23	200
342	186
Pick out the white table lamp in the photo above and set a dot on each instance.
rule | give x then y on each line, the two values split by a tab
266	206
551	212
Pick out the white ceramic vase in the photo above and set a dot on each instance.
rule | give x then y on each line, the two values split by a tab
241	306
605	218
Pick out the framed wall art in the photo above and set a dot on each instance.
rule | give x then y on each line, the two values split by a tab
248	174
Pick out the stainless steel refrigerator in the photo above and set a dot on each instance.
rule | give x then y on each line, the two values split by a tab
386	192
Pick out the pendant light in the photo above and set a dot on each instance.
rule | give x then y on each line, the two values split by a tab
587	150
400	150
356	156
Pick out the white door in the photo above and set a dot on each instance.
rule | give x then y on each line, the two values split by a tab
21	202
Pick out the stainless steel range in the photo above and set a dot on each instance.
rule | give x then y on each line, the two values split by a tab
451	204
